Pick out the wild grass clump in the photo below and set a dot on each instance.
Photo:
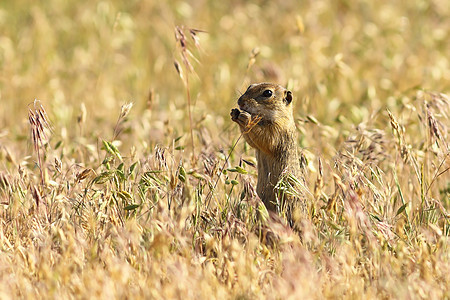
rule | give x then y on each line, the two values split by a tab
103	196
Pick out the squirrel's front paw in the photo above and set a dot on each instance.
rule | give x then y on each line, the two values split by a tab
243	118
235	114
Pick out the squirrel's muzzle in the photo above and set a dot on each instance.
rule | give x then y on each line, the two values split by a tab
241	101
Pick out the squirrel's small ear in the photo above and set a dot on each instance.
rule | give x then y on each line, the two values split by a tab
288	97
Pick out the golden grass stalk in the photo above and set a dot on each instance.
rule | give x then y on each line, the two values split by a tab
186	55
39	127
253	122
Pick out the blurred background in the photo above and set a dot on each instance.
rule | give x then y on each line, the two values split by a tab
345	61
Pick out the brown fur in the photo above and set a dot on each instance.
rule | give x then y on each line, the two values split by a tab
273	137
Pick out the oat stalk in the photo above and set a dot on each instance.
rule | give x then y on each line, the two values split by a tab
39	126
124	111
186	55
249	127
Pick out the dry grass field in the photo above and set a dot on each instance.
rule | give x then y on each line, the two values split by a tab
127	179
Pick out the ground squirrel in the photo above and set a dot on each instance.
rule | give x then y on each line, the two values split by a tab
273	136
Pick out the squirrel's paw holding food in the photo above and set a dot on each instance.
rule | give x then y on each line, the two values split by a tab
243	118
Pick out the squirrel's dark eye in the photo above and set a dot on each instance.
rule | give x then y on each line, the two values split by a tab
267	93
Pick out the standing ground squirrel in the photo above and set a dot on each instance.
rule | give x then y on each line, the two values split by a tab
267	123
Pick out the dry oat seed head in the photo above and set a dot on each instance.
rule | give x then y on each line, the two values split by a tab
125	110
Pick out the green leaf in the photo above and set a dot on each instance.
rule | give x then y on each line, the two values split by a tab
116	151
107	160
102	178
148	175
132	167
197	175
401	209
131	207
376	218
107	147
312	119
111	149
125	195
182	174
58	144
241	170
120	175
334	225
154	172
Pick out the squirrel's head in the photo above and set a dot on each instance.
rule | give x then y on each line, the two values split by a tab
268	100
